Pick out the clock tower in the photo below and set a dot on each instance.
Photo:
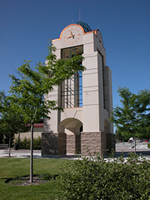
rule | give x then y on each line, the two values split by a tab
86	98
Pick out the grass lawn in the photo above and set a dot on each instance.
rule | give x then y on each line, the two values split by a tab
12	167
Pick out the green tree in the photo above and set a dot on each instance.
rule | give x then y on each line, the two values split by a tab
2	100
118	135
133	118
10	121
143	113
28	90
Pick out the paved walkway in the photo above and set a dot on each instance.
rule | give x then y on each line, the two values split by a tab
126	148
21	153
121	148
24	153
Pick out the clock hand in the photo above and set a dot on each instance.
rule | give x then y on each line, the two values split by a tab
69	36
72	34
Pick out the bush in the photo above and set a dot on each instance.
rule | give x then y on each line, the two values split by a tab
148	145
25	143
97	179
37	143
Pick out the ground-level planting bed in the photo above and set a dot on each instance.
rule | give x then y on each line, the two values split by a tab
25	180
95	178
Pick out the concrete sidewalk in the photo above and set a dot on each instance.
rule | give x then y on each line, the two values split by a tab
130	147
126	148
121	148
21	153
24	153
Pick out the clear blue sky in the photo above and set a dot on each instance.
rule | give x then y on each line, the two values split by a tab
26	26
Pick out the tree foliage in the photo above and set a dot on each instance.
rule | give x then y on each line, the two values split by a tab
29	89
133	118
2	99
11	122
118	135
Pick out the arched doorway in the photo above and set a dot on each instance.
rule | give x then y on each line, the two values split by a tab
72	129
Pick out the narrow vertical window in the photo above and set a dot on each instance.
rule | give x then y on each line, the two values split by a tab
71	89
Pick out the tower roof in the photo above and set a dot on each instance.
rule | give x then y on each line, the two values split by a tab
85	26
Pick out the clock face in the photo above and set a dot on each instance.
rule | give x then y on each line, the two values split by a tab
72	35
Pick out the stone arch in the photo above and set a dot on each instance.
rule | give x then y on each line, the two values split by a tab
71	122
71	128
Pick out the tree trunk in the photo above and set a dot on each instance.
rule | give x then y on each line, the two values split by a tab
31	156
9	145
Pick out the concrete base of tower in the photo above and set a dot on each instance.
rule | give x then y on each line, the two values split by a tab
88	143
73	144
60	144
93	142
110	141
53	144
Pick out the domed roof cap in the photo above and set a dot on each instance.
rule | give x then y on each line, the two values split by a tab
85	26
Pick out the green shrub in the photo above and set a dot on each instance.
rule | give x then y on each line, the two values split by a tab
25	143
37	143
148	145
46	176
97	179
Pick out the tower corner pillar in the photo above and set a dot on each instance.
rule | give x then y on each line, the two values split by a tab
93	142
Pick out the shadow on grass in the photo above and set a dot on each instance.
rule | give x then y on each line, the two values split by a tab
38	177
